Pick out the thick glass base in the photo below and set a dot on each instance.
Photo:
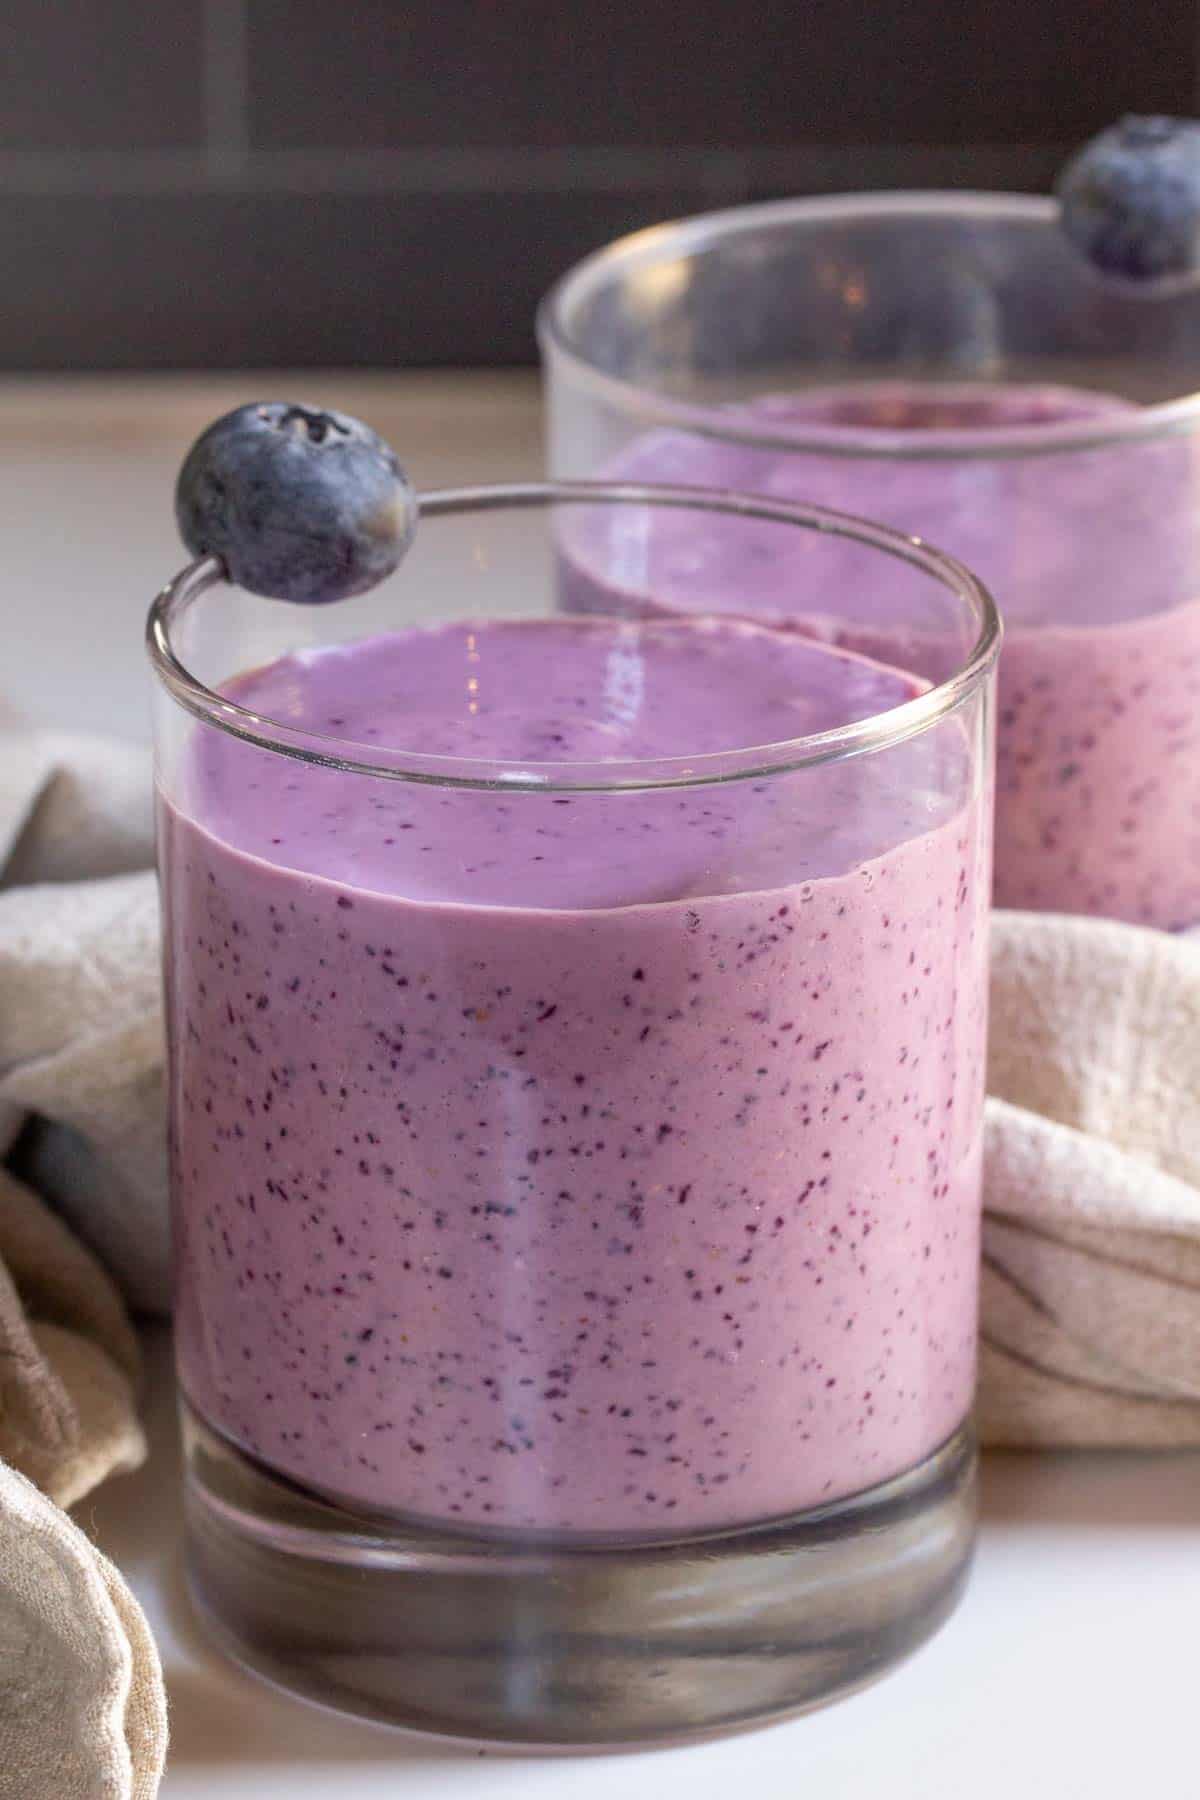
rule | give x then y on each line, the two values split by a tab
568	1644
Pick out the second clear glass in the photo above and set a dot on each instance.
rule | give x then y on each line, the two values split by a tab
949	364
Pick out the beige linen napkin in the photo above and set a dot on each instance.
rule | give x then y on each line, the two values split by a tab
82	1704
80	1012
82	1708
1091	1267
68	1357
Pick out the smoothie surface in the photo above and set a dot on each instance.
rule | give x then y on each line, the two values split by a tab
567	691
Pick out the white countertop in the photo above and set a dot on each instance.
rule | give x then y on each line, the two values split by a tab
1070	1668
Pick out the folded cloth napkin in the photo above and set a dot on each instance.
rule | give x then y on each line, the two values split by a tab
1091	1242
80	1011
68	1358
82	1704
1091	1269
82	1709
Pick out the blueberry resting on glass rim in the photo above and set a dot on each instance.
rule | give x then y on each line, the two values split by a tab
1131	199
298	503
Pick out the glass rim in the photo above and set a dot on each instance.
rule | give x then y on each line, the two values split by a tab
705	231
877	732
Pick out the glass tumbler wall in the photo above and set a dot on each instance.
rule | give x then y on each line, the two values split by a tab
950	365
576	1058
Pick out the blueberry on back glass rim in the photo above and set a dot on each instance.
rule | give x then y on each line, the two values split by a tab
1131	199
298	503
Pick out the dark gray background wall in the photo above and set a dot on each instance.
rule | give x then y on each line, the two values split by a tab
218	183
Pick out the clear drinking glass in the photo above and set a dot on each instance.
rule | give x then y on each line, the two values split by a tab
575	1147
948	364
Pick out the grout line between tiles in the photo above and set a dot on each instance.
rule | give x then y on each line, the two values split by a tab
228	165
225	77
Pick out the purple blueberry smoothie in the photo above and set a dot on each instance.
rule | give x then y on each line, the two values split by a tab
1093	556
587	1161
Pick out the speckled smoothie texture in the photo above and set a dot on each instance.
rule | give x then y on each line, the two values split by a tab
600	1163
1094	559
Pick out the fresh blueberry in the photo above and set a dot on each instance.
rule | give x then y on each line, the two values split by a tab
298	504
1131	198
